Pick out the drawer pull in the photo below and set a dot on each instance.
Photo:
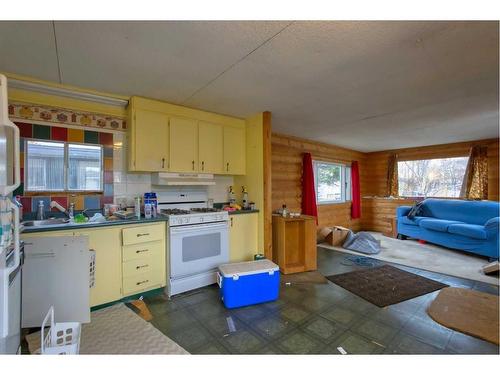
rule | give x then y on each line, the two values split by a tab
143	266
141	251
142	282
142	234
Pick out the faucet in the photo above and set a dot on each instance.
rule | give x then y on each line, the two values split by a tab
68	212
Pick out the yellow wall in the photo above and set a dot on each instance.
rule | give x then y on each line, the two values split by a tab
31	97
254	178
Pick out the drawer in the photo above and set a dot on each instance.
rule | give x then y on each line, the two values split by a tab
138	266
143	234
138	283
154	249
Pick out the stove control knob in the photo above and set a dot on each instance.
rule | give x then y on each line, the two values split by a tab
201	220
186	220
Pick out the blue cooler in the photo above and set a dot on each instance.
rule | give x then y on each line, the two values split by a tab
248	283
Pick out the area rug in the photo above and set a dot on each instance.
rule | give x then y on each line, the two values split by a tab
427	257
310	277
385	285
118	330
468	311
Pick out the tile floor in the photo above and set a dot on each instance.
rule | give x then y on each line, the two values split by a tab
314	319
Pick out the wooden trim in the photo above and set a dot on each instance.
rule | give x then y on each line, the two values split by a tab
268	219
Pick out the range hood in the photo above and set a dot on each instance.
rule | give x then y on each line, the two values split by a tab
182	179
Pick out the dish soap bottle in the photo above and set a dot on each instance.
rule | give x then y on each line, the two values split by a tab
245	197
284	211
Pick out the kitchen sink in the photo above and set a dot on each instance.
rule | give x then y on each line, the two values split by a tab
39	223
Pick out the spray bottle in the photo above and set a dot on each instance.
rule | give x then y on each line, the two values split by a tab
232	198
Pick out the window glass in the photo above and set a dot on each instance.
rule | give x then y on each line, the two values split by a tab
45	166
60	166
329	181
84	167
431	177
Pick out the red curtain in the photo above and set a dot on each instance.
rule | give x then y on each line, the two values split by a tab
356	195
308	192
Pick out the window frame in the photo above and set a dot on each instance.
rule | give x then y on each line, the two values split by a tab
66	167
418	197
345	180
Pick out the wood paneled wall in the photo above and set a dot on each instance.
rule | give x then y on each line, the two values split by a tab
376	163
286	168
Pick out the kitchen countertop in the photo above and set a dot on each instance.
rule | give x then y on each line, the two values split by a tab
242	212
50	228
55	227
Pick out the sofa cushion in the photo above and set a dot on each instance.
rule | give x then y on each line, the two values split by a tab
469	230
405	220
437	224
472	212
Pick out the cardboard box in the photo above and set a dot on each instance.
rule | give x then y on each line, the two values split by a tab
334	236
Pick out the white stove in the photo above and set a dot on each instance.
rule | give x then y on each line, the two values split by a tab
198	240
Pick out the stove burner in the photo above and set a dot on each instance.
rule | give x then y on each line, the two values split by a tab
174	211
205	210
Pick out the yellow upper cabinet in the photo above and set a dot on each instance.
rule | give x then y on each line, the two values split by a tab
183	145
210	147
167	137
234	150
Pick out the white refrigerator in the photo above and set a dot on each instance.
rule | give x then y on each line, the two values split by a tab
10	247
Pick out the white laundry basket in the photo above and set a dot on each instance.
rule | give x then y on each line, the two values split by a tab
61	338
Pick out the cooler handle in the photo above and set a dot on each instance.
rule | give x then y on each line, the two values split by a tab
219	280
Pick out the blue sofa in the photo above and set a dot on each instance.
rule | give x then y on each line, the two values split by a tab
458	224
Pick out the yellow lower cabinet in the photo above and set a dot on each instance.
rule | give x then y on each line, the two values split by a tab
143	256
243	237
108	273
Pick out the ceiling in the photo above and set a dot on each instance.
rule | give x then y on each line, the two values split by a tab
367	86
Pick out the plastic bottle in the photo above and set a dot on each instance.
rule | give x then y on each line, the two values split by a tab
245	197
284	211
232	198
137	208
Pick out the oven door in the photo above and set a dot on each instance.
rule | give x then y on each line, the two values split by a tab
198	248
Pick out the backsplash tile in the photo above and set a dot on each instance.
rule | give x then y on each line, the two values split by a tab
59	134
41	131
92	202
35	202
91	137
75	135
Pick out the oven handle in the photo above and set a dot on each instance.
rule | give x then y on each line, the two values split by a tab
190	228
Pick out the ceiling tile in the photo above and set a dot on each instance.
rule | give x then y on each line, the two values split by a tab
28	48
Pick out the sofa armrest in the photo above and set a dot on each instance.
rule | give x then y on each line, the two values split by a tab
491	226
402	211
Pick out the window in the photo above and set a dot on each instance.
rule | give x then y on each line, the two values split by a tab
432	177
332	181
61	166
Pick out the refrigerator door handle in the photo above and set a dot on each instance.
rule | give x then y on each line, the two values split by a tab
5	121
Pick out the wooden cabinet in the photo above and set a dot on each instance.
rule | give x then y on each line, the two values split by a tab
243	237
294	243
234	150
149	141
210	147
129	259
183	145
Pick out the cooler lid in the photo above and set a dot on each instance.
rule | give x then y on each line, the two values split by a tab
248	268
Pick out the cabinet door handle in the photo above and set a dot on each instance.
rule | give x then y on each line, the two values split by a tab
231	221
162	163
193	164
141	282
141	251
142	234
143	266
202	165
227	167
